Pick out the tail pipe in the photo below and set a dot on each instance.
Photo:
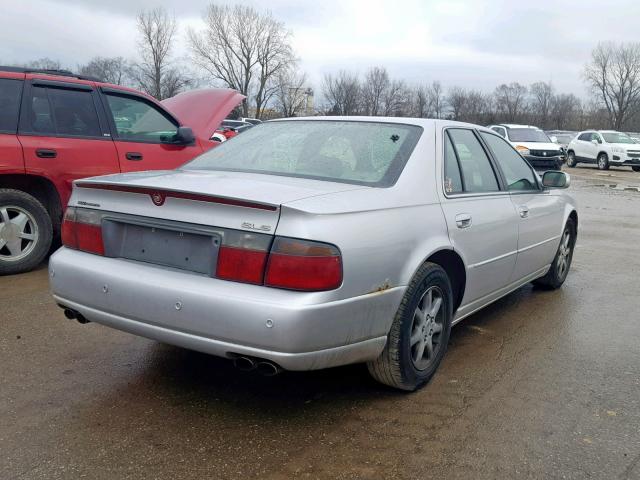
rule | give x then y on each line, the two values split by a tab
260	365
74	315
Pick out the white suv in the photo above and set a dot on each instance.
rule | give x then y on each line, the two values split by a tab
533	144
604	148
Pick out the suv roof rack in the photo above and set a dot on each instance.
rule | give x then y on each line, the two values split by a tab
60	73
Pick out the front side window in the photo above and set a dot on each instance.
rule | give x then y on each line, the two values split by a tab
10	95
477	173
500	131
139	121
366	153
596	137
518	174
58	111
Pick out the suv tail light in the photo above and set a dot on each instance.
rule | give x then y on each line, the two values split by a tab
303	265
82	230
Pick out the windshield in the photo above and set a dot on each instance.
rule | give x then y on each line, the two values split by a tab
528	135
617	137
364	153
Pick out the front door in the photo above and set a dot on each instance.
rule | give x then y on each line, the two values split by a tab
141	134
481	218
538	211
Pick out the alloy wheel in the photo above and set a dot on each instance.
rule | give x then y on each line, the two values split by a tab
564	254
428	321
18	233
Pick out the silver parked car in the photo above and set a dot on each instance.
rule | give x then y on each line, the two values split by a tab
311	243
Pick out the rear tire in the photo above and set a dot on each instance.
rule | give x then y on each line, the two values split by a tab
559	270
603	162
25	232
571	160
419	335
636	169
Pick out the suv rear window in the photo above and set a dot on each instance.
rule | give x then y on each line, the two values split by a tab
363	153
10	94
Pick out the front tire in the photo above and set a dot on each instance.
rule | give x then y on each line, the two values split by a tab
25	232
419	335
571	160
636	169
603	162
559	270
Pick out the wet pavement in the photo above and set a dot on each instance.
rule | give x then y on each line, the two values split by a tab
539	385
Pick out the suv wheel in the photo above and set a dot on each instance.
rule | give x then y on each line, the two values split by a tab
25	232
419	334
571	160
636	169
603	162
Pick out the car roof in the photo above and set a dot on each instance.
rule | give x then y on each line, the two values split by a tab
420	122
515	125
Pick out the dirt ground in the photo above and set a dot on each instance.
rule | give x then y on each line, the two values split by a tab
539	385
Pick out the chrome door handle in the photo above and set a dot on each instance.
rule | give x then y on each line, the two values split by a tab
463	220
523	211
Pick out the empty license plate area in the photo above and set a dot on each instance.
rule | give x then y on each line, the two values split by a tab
196	252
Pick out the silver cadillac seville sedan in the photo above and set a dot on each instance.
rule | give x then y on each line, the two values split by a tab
310	243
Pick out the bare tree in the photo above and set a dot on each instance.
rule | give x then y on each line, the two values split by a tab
244	49
510	101
436	99
155	74
44	63
614	74
376	82
108	69
541	102
292	94
395	99
565	112
342	92
456	100
421	103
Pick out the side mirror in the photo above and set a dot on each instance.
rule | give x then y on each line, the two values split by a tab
184	136
555	179
594	141
554	139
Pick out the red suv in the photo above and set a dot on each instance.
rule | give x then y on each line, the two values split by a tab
56	127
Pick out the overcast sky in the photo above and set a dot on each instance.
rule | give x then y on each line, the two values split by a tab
478	43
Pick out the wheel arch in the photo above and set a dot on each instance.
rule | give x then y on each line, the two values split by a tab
39	187
452	263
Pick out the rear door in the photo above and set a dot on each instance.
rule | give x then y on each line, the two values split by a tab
481	218
64	134
539	213
141	132
11	159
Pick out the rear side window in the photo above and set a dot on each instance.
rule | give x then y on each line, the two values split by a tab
452	177
139	121
477	173
518	174
57	111
10	95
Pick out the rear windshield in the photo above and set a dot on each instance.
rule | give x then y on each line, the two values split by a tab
363	153
528	135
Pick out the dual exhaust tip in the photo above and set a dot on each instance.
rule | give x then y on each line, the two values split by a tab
264	367
73	315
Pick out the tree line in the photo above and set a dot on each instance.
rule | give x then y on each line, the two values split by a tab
249	50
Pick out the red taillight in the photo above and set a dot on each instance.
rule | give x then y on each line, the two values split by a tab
82	230
303	265
241	265
290	263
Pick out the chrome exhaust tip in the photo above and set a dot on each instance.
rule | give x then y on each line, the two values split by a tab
70	314
245	364
268	369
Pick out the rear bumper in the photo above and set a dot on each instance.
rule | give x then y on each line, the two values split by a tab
223	318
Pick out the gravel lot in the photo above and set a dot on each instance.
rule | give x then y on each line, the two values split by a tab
539	385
